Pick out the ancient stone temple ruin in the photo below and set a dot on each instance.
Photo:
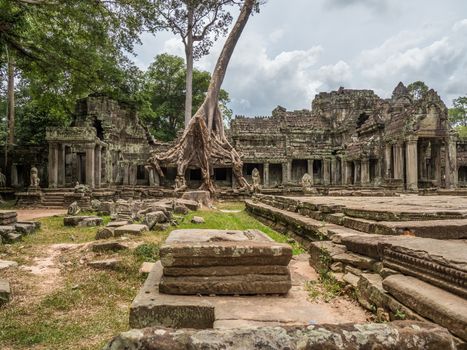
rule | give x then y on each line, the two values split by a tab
353	137
348	139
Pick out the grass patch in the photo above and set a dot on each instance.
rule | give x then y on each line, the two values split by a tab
326	288
88	307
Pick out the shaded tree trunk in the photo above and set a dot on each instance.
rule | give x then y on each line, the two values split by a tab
11	100
203	142
189	69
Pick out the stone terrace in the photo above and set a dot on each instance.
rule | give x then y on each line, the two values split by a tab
405	257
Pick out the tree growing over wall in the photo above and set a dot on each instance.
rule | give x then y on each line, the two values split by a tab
204	142
163	95
417	89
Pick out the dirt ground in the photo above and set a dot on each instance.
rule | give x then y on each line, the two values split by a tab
32	214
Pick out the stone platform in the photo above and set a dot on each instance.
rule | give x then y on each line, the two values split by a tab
152	308
221	262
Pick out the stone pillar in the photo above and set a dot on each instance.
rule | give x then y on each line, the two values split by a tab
451	163
289	171
126	173
60	165
14	176
411	164
52	166
365	172
436	162
310	170
266	175
154	179
348	173
284	173
90	166
398	161
98	165
356	172
387	161
378	173
326	172
334	171
422	168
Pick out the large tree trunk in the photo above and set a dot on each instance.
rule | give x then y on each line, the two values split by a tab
189	69
204	143
11	100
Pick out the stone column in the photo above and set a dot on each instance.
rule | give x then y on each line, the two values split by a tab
451	163
422	168
411	164
284	173
365	172
436	162
14	175
378	173
334	171
326	172
347	173
387	161
289	171
355	172
98	165
61	165
310	170
52	166
90	166
126	173
266	175
398	161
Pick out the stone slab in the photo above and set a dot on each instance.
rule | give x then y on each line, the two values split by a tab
75	220
402	335
108	246
5	291
250	253
132	229
202	197
443	308
225	271
117	223
91	222
106	264
152	308
206	235
5	264
251	284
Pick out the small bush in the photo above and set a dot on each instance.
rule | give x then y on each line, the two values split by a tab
147	252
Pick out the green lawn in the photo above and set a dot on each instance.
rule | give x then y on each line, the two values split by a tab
83	308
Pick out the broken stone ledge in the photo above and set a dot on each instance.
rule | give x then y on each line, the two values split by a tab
399	335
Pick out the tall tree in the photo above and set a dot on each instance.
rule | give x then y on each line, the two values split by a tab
163	95
417	89
458	114
198	23
68	49
204	143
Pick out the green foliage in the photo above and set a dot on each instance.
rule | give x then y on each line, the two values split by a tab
162	97
147	252
458	114
417	89
400	315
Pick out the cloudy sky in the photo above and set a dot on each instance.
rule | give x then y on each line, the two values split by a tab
296	48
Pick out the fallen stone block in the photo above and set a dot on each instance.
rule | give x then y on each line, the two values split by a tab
74	220
27	227
355	260
197	220
438	305
146	267
105	233
107	264
153	218
91	222
401	335
5	292
180	210
132	229
351	279
4	264
108	246
117	223
201	197
8	217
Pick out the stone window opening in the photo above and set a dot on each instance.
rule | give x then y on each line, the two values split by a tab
140	172
362	118
99	129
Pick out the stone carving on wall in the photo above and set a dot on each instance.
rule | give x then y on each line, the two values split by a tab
256	178
34	178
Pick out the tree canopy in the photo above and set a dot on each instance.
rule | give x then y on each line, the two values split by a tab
417	89
162	95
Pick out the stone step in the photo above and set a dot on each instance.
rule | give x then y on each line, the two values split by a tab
433	303
303	226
